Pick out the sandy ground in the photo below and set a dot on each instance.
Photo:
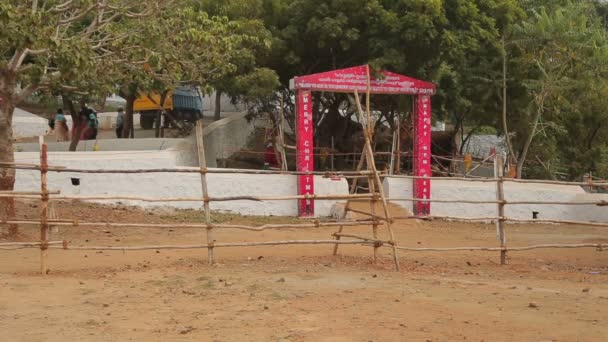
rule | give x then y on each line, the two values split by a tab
301	293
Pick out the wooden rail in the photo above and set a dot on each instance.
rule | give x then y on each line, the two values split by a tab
372	219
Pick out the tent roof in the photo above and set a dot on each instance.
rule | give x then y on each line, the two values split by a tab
355	78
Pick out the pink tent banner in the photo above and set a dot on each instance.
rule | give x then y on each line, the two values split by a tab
305	152
349	79
422	154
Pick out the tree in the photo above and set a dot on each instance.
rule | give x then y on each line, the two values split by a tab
451	42
53	46
254	47
559	50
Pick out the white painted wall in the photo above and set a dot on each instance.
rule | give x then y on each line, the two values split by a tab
453	189
171	185
139	144
26	124
222	138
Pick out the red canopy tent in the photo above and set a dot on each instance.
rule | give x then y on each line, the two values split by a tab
346	81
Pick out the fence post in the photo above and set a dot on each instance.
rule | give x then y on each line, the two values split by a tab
202	162
283	149
500	197
44	205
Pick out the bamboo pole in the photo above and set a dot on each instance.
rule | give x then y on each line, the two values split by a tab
398	152
44	206
203	166
453	200
372	206
29	244
512	180
27	193
540	221
76	223
199	199
337	238
480	164
217	245
373	216
394	145
282	136
598	246
327	174
371	164
368	130
333	149
317	224
500	197
52	216
353	187
377	242
353	190
601	203
449	218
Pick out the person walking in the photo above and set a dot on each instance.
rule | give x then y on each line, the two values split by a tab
61	126
88	120
120	122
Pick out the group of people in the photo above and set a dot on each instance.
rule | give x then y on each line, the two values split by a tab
87	124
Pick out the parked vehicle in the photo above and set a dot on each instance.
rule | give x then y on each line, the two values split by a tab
183	103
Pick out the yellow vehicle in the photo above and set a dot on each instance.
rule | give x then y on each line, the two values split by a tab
183	103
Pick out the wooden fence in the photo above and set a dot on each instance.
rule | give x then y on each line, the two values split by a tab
373	219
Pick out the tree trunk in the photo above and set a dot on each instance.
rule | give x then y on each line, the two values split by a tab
7	175
218	105
505	128
127	127
526	148
159	114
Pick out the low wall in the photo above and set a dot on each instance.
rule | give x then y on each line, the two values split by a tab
462	190
222	139
170	184
139	144
26	124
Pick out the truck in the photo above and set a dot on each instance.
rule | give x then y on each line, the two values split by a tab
183	103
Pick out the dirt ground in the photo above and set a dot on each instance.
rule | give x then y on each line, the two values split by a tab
301	293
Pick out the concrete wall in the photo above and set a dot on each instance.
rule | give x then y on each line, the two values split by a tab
146	144
221	138
452	189
170	185
26	124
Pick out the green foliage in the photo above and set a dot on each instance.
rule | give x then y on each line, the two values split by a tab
555	54
560	55
246	79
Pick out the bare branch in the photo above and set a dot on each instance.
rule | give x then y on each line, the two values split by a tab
109	39
25	68
37	52
19	56
17	59
25	93
62	7
77	16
